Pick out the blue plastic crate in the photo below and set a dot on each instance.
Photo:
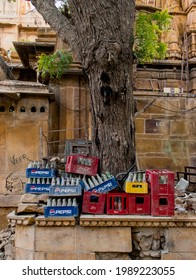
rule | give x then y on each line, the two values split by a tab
106	186
37	188
75	190
40	173
61	211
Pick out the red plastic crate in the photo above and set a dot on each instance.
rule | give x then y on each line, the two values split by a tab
117	203
93	203
81	164
161	182
162	205
139	204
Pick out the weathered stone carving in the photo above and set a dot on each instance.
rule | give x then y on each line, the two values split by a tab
173	39
173	5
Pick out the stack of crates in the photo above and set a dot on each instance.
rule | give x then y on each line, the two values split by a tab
161	184
94	199
39	179
139	199
64	197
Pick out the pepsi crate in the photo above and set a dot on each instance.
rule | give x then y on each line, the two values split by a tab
139	204
37	188
105	187
61	211
93	203
40	173
75	190
162	205
161	182
117	203
81	164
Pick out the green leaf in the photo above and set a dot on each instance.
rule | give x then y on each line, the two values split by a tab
54	64
148	30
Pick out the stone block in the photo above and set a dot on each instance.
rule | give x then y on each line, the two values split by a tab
3	217
174	146
176	240
40	256
158	163
10	200
30	208
191	147
139	125
61	256
178	127
179	256
55	239
103	239
86	256
25	237
23	254
154	145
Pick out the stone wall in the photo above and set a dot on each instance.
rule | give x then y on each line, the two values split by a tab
104	237
165	132
20	139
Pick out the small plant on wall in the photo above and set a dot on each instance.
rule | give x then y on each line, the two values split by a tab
54	65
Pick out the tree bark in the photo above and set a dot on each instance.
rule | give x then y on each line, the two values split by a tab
101	35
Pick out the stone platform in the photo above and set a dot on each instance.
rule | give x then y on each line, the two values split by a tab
104	237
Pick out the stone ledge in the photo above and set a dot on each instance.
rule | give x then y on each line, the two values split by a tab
136	221
10	200
24	220
41	221
105	221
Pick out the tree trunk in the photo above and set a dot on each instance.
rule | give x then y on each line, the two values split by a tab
112	118
101	35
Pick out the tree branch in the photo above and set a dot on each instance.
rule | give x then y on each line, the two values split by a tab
61	24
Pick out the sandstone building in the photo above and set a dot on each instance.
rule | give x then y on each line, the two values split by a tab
36	120
164	93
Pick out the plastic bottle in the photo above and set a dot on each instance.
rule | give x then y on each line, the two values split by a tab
69	202
59	202
48	181
144	177
64	202
58	181
49	202
53	182
108	175
95	182
120	203
130	177
53	202
77	181
99	179
72	181
74	202
62	181
104	177
30	165
134	177
90	183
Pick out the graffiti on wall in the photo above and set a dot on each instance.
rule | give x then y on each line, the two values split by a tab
14	184
16	160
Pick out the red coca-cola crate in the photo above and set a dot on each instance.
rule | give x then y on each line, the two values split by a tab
139	204
162	205
117	203
161	182
93	203
81	164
